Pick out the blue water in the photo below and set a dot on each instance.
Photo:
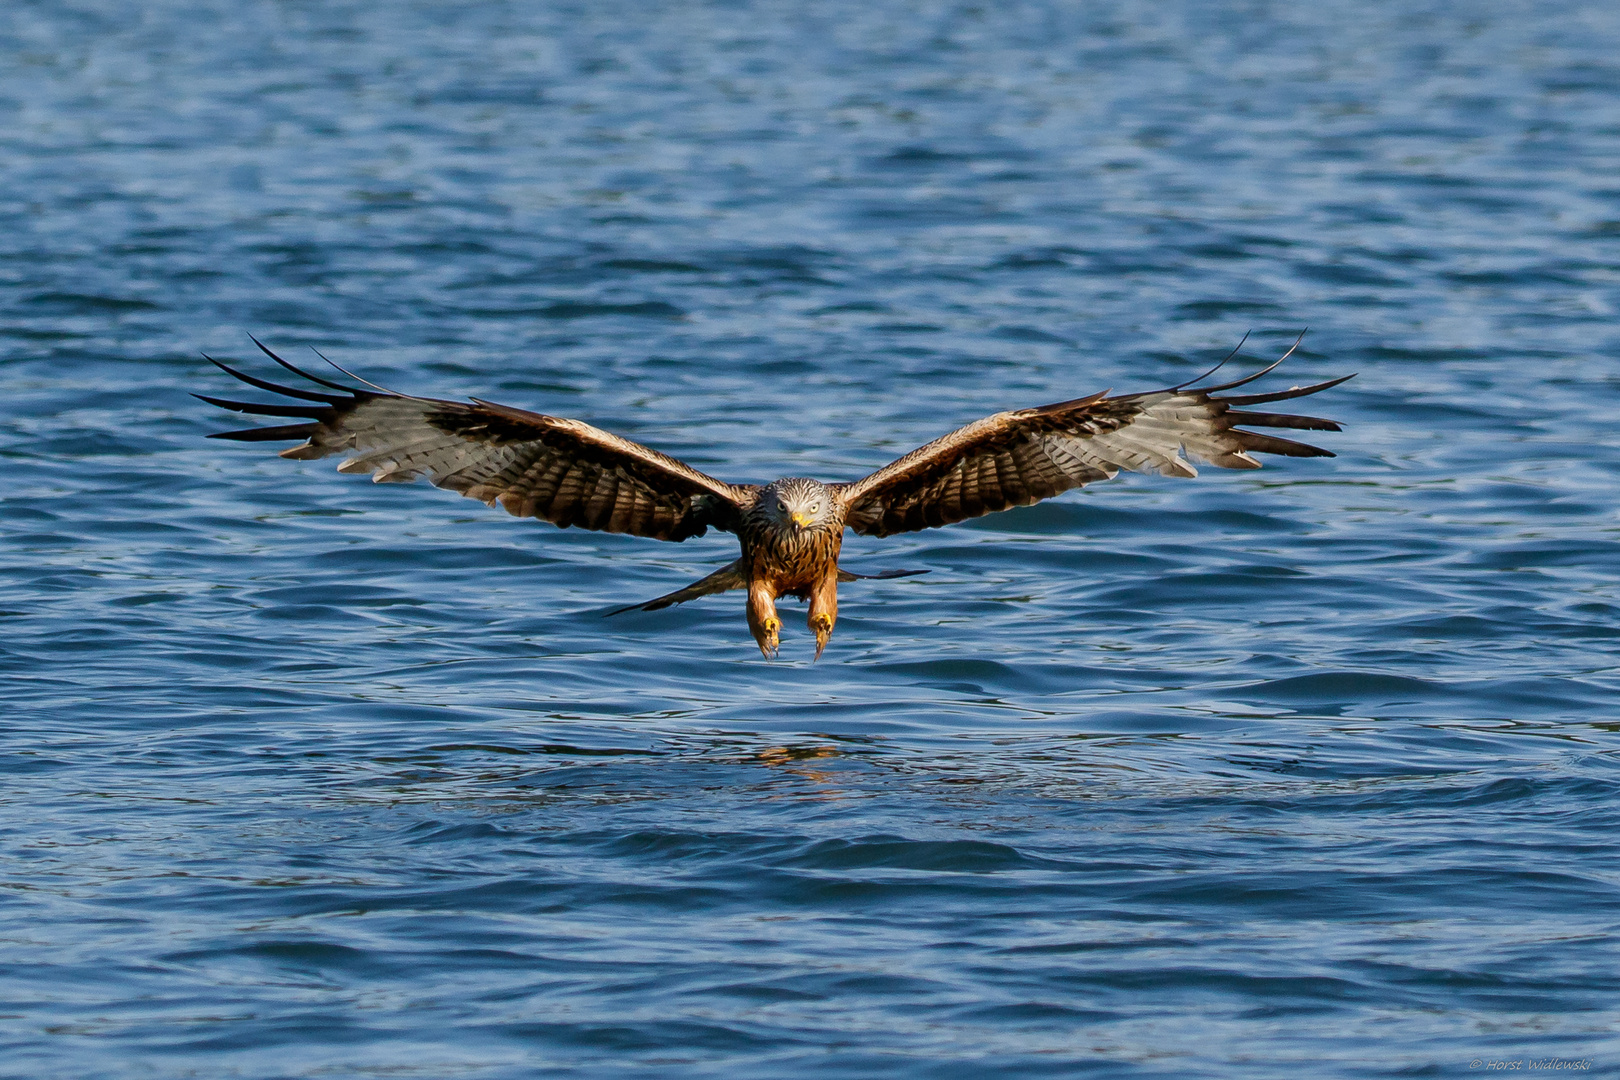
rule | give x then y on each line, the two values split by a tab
1306	772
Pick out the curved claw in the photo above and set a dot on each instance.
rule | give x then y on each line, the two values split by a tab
822	624
770	640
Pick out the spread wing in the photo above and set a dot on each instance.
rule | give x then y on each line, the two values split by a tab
1018	458
559	470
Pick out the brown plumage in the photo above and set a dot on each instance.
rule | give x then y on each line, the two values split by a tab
570	473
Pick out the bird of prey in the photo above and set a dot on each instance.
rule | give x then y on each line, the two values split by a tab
572	474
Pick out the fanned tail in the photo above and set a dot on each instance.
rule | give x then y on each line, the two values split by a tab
725	579
845	575
730	577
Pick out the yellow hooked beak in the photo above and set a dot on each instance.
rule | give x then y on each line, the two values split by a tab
801	520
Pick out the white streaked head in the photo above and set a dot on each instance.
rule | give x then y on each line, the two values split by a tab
797	503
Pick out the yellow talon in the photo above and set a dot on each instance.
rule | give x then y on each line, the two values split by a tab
822	623
768	640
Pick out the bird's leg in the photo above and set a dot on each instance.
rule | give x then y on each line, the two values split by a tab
762	620
824	608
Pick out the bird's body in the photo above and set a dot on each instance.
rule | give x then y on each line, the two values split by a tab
791	530
791	536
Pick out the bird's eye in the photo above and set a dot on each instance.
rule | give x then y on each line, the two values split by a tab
782	506
816	509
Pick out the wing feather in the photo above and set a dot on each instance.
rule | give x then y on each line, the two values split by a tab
553	468
1017	458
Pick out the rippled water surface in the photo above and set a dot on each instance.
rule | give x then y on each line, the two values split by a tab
1311	771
